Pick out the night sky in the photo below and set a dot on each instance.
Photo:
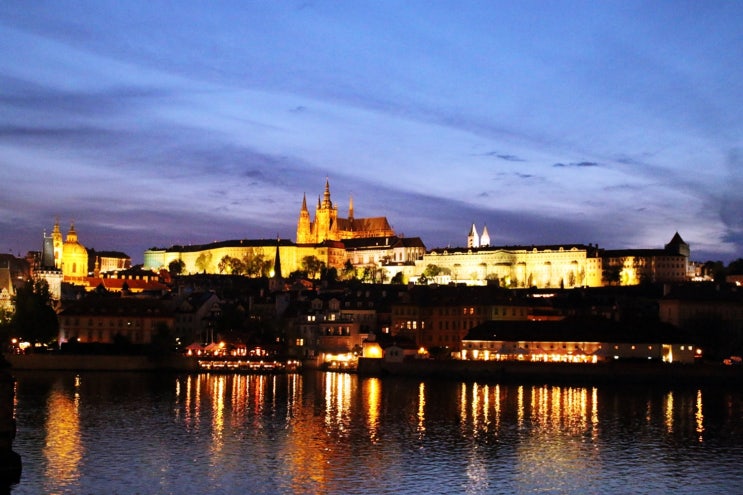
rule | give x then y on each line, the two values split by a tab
161	123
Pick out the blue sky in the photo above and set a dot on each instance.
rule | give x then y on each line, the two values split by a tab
161	123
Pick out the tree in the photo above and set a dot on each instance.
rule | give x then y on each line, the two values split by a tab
348	271
231	265
329	274
176	267
256	265
716	269
204	261
735	267
398	279
312	265
612	274
431	271
34	320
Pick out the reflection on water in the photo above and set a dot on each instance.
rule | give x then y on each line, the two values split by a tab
62	447
339	433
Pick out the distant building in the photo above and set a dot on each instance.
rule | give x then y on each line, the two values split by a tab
326	224
577	341
440	316
332	240
558	266
108	319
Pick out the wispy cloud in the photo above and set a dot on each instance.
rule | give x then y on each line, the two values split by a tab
504	156
576	164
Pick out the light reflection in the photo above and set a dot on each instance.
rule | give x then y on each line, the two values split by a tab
594	413
668	409
699	416
421	409
218	416
372	395
337	399
497	407
463	407
63	450
520	406
475	406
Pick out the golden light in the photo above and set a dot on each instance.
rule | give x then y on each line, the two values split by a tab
372	351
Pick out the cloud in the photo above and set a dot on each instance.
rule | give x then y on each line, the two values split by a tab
504	156
576	164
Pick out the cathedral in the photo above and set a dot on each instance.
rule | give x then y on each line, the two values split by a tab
67	255
328	227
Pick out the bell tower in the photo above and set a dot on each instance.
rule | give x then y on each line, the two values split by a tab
304	226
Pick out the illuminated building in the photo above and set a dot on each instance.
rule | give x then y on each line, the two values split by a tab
328	226
517	266
577	341
328	335
330	239
107	319
73	257
557	266
7	290
441	316
710	309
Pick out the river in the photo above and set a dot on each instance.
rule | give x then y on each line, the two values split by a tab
335	433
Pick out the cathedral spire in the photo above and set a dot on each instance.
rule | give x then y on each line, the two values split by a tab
485	237
304	202
350	208
473	240
277	259
326	203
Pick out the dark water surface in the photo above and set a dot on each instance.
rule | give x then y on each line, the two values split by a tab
327	433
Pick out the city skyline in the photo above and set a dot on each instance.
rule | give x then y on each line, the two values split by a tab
612	123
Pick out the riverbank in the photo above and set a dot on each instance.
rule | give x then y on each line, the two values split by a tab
91	362
515	371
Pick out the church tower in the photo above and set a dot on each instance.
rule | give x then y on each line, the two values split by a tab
57	245
485	237
473	240
304	226
74	258
326	216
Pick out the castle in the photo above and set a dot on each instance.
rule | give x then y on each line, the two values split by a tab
367	242
371	243
327	225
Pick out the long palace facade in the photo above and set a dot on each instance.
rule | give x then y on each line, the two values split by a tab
372	243
332	240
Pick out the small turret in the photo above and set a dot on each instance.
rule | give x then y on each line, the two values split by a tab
485	237
473	240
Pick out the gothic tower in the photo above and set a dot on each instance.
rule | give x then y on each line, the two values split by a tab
485	237
57	244
473	240
304	226
326	216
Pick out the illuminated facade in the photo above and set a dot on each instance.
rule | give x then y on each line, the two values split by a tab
109	319
441	316
7	291
519	266
576	341
557	266
328	226
62	260
331	240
